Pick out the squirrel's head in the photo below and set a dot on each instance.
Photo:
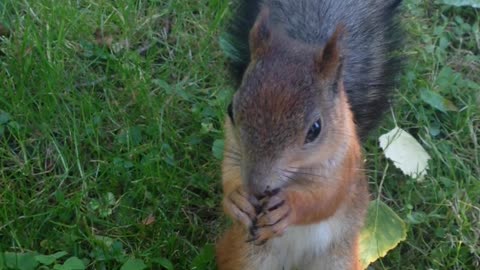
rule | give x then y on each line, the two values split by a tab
289	120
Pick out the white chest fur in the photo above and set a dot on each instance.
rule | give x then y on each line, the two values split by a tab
299	245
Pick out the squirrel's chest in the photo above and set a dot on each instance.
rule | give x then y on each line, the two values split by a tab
301	241
299	245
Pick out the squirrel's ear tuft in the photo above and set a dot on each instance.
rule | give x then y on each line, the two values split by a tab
328	61
260	35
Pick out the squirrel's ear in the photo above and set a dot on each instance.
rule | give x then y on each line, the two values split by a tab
328	61
260	35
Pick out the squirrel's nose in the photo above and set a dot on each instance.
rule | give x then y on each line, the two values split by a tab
257	188
257	179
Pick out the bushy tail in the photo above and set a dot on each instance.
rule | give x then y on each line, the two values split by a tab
234	41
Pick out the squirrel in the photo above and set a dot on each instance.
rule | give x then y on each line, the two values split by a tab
313	78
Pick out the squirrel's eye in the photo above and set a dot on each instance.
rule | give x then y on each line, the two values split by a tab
230	112
314	131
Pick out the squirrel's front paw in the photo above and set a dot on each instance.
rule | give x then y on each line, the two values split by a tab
273	219
242	207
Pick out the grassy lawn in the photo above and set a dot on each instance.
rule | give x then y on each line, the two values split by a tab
110	112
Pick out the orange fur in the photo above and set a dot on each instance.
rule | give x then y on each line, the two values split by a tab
297	221
310	203
231	250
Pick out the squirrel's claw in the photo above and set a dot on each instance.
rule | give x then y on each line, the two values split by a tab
239	205
273	220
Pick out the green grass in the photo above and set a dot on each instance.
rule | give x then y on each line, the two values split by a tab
96	139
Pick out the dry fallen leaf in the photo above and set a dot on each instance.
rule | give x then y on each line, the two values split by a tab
405	152
382	232
149	220
102	38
